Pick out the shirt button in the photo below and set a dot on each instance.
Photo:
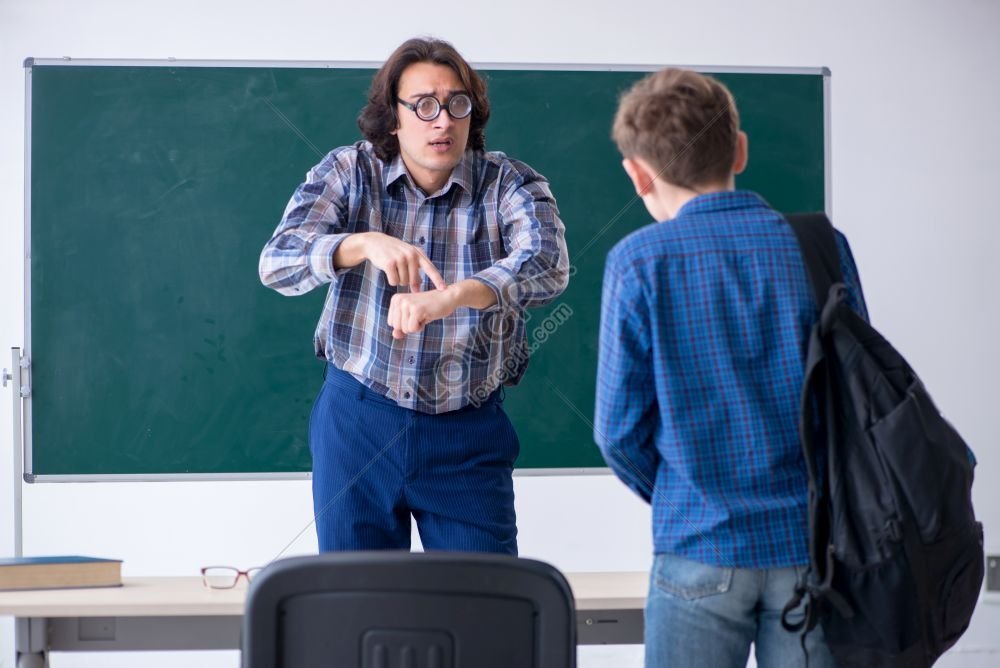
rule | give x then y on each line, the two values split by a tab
422	240
412	360
406	395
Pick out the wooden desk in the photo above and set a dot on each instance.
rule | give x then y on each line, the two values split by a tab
175	613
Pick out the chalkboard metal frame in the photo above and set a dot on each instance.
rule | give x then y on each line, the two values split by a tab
25	439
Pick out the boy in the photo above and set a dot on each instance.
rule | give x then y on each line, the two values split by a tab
704	322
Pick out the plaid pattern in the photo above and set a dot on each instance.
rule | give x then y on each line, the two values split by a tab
704	325
494	221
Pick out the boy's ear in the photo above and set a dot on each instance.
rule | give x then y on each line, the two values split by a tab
640	175
742	153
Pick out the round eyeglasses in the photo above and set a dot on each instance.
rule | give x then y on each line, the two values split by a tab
428	107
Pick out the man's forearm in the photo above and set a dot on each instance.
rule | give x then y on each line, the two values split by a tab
351	252
473	294
409	312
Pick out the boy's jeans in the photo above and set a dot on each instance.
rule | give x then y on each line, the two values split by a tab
700	615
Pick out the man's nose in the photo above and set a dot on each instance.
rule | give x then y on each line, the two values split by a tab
444	119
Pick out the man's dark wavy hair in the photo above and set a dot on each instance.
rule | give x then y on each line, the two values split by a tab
378	119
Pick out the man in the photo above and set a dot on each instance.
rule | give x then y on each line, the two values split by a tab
704	323
433	248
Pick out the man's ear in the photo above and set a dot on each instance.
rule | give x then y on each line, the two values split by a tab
742	153
640	175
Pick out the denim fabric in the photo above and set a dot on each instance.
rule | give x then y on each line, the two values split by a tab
700	615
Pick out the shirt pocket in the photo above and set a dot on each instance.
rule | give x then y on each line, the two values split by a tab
480	242
475	225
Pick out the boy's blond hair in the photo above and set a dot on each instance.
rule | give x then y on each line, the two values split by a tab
684	124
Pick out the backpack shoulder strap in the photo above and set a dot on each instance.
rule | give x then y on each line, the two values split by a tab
818	244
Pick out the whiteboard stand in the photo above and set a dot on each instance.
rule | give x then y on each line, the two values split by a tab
19	390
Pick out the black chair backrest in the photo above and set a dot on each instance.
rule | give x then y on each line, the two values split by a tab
403	610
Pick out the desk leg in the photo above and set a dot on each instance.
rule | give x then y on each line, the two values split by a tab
35	660
30	641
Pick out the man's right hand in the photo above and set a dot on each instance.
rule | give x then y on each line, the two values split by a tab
399	261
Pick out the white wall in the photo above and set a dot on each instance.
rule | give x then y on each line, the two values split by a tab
915	165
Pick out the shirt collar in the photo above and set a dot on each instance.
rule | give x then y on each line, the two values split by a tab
463	174
395	171
722	201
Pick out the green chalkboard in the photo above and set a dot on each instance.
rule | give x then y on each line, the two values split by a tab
154	349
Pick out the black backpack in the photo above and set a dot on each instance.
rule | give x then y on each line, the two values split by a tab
896	553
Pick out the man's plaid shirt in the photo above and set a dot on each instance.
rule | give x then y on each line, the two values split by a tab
494	221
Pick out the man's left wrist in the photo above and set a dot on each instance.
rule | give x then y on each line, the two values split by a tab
454	296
